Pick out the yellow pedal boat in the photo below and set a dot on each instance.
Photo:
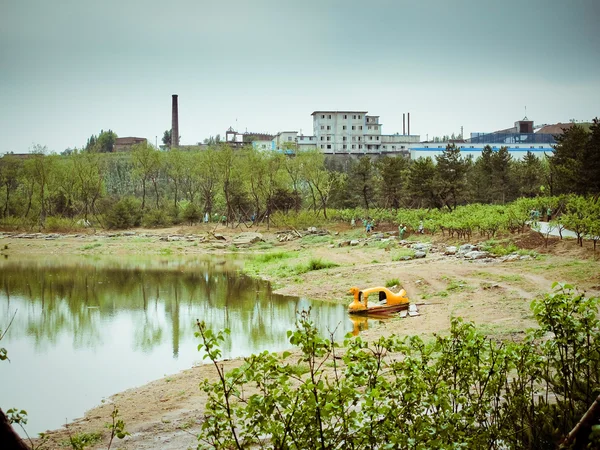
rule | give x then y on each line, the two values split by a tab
387	302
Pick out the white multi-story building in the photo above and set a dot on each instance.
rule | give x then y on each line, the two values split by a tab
356	132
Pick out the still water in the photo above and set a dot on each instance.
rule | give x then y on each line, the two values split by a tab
85	327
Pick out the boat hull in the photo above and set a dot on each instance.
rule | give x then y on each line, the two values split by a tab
380	310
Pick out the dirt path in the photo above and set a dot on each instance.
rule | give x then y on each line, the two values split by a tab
166	414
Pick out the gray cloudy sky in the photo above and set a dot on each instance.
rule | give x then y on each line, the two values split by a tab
69	68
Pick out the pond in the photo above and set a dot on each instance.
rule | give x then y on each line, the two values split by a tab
86	328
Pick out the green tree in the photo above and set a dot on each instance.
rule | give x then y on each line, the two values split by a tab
166	139
591	158
103	143
40	169
451	176
320	181
89	170
10	169
567	161
390	180
422	184
361	180
146	166
176	169
531	173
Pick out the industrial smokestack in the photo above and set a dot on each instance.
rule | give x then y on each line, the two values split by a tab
409	124
175	123
403	124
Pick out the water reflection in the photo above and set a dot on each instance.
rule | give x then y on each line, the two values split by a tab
89	327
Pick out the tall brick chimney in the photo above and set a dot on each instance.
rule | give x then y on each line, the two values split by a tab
174	123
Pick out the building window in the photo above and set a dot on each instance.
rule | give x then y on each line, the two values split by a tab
370	138
321	145
329	146
384	146
541	146
393	147
345	116
353	127
360	127
329	127
344	146
354	117
328	138
353	146
376	138
321	137
344	127
369	127
359	147
360	117
323	116
329	117
376	128
344	138
322	127
289	139
359	138
354	138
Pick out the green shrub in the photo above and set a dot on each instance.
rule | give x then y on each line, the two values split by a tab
123	214
57	224
191	213
457	390
156	218
315	264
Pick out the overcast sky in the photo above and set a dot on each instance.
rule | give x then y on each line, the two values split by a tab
69	68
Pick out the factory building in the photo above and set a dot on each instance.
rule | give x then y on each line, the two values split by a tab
519	140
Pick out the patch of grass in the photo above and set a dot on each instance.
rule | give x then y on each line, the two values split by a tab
314	264
374	262
263	245
392	282
512	277
166	251
81	440
91	246
401	253
274	256
499	248
315	239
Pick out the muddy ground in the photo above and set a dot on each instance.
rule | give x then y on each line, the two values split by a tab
493	293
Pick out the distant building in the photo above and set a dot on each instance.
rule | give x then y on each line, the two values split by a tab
519	140
262	141
124	144
356	132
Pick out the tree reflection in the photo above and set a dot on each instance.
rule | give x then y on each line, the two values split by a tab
161	298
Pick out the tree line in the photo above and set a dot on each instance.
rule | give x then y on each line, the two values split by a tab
153	187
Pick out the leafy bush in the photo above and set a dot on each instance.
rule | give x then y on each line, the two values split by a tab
62	225
123	214
460	390
155	218
191	213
